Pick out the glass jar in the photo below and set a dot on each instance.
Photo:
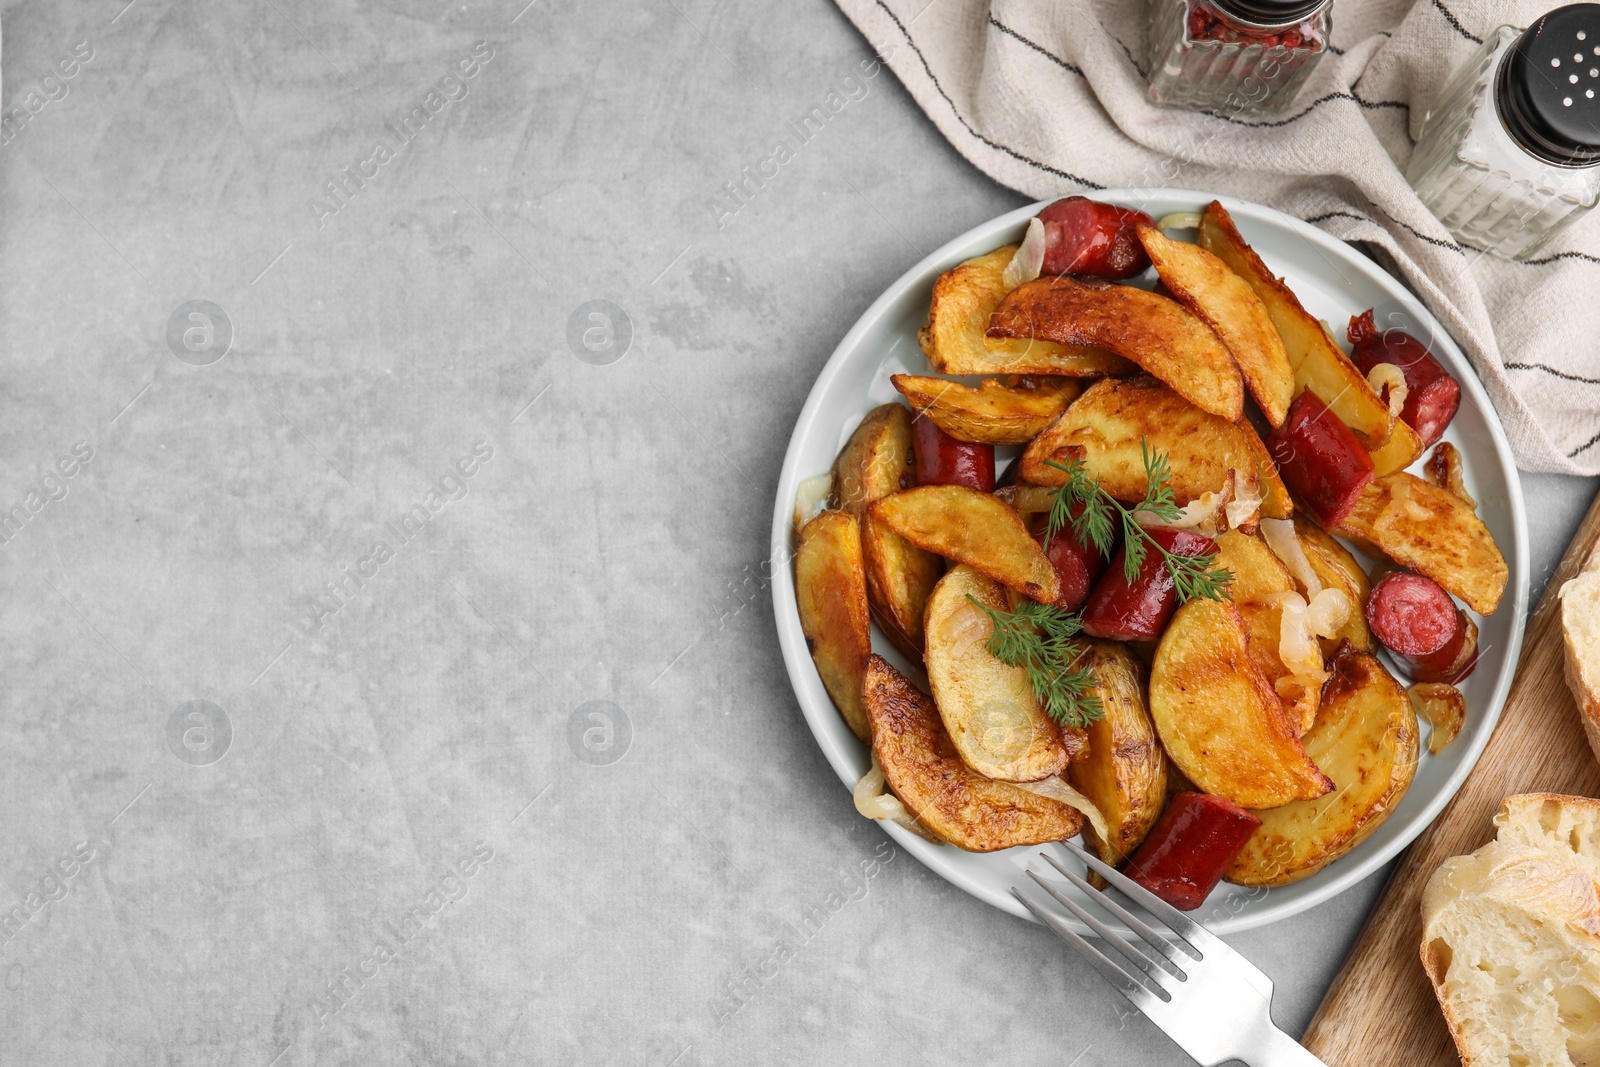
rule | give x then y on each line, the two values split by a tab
1235	56
1509	154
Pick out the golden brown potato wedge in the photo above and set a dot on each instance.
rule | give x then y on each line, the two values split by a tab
1334	566
1151	330
946	796
993	413
954	340
1027	499
831	589
1105	425
1126	772
899	578
988	708
1319	364
876	461
1218	716
974	528
1433	532
1258	574
1365	738
1224	301
1263	625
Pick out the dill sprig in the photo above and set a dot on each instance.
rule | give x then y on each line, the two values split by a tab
1097	512
1039	638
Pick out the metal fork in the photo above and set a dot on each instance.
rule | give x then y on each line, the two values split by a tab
1209	999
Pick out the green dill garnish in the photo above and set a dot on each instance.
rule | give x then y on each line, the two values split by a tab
1039	639
1192	576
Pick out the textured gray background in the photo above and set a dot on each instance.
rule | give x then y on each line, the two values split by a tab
610	549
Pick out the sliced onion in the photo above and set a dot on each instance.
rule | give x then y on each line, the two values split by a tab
963	628
1297	645
1028	260
1400	499
1056	788
1179	220
811	499
1285	544
1444	470
1243	512
1200	514
1386	376
1328	611
874	801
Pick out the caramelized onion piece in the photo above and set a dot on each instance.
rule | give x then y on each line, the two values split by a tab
1028	260
811	498
1056	788
1386	376
1442	707
1179	220
1285	544
1444	469
874	801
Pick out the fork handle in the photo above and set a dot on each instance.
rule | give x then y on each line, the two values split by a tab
1278	1049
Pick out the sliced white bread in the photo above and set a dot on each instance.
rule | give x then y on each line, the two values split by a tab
1511	938
1580	631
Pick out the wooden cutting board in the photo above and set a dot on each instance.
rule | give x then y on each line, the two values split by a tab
1381	1009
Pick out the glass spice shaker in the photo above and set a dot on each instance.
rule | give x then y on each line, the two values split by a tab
1235	56
1509	154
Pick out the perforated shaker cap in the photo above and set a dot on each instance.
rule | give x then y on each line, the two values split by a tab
1271	12
1548	92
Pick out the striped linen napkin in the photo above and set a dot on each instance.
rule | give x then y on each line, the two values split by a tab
1048	98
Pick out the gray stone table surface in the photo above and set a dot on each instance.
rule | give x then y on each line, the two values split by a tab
320	541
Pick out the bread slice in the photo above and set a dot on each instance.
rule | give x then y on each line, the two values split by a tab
1511	938
1580	631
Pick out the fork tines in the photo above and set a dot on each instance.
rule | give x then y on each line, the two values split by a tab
1154	963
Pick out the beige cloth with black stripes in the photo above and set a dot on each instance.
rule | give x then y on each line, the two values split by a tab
1048	98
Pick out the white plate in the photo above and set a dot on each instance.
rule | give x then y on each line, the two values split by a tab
1333	281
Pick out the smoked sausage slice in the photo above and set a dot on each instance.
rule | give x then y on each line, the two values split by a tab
1418	622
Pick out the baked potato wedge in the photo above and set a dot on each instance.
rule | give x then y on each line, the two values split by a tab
831	590
1433	532
1365	739
1147	328
958	314
1104	428
1219	717
1334	566
1258	574
1258	578
993	413
899	578
1319	363
1224	301
954	802
1125	775
876	461
987	708
978	529
1263	625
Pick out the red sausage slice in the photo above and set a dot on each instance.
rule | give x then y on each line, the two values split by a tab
1191	845
1078	566
1320	459
943	460
1432	395
1418	622
1083	236
1121	610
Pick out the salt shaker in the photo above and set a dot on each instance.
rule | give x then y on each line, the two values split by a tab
1235	56
1509	154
